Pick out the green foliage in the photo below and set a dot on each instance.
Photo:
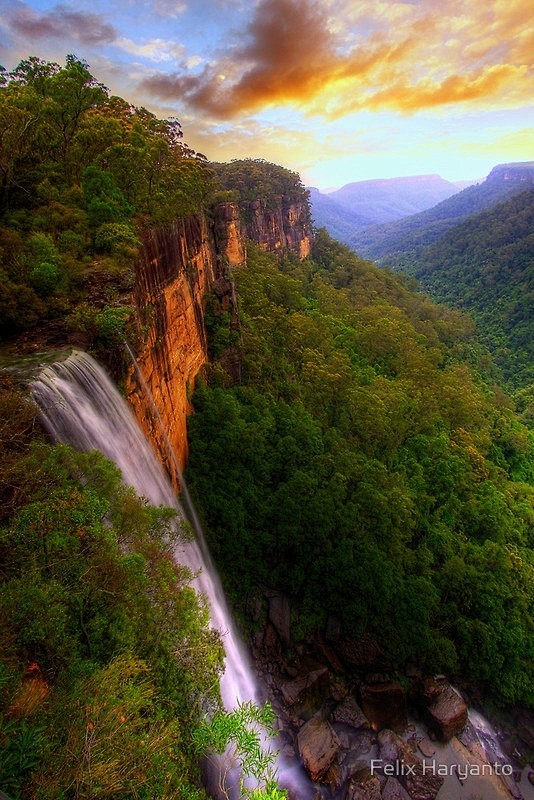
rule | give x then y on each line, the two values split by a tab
255	179
103	328
92	600
241	736
360	451
68	194
485	267
115	237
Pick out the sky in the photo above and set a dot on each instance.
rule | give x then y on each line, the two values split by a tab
337	90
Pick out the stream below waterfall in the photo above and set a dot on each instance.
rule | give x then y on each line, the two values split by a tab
80	406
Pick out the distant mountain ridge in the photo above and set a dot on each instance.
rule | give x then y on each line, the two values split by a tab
339	221
381	242
361	204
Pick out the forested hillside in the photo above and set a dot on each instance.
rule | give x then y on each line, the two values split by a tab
485	266
81	172
364	470
408	235
106	655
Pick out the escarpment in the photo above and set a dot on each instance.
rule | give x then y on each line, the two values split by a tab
175	270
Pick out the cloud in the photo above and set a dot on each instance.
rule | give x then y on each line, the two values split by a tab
337	56
62	23
169	8
157	50
453	89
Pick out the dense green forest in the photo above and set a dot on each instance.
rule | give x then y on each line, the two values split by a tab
249	179
81	174
485	266
107	658
365	470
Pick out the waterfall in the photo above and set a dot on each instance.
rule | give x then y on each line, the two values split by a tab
80	406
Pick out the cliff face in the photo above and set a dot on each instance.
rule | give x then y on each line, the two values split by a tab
176	269
278	226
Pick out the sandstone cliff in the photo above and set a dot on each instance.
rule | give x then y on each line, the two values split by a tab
175	270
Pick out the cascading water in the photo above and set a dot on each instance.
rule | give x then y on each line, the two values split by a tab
80	406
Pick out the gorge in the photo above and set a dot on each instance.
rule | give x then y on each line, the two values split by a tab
80	407
364	482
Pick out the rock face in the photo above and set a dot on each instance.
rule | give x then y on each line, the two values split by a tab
384	705
278	226
443	709
173	274
318	747
175	270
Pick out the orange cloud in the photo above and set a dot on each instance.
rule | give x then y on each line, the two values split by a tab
453	89
312	54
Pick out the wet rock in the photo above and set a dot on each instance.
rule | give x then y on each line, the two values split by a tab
408	768
357	741
384	705
445	712
426	747
318	747
353	765
364	786
393	790
350	713
468	736
295	691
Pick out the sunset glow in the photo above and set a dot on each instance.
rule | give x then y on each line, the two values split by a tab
338	90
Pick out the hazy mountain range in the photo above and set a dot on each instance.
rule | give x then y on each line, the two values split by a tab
410	233
380	217
358	205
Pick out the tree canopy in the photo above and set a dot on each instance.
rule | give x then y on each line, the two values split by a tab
361	467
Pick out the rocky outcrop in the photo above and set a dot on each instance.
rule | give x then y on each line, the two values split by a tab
443	708
384	704
177	267
174	272
278	224
318	747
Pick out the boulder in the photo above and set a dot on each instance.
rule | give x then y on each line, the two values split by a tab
318	747
393	790
349	712
296	691
426	747
409	771
445	712
363	786
384	705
